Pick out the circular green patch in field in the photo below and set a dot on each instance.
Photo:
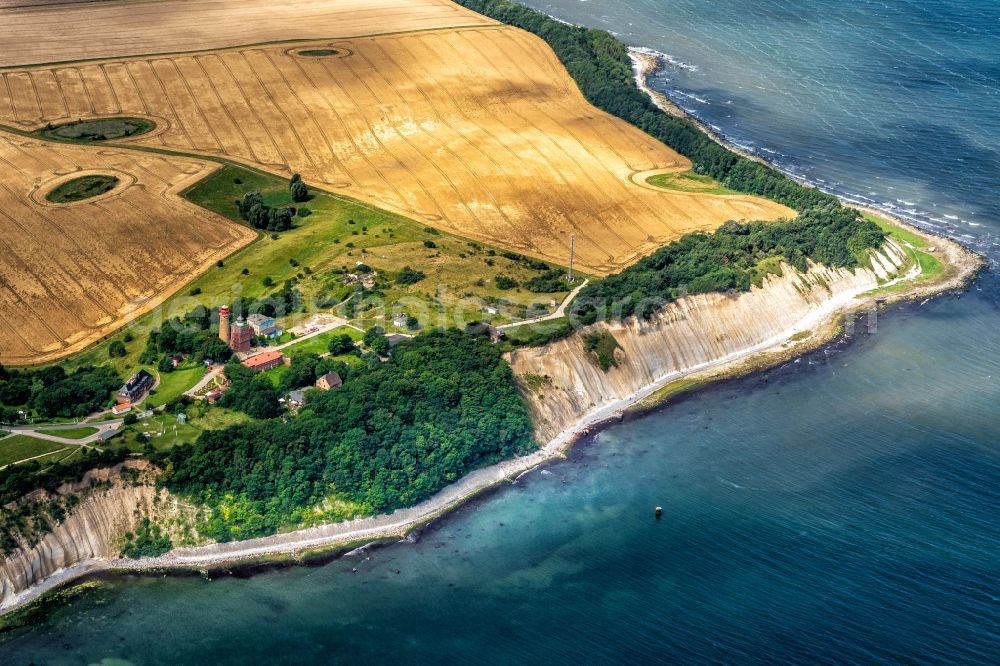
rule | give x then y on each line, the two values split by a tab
99	129
688	181
84	187
318	53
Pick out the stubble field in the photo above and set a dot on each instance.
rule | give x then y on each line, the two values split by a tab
36	31
72	272
477	131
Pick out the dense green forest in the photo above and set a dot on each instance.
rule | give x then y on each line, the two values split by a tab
443	404
52	392
736	256
147	541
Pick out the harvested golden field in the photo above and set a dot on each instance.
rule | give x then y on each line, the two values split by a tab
478	131
71	272
38	31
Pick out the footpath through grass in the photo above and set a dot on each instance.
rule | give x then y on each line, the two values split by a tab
930	266
17	448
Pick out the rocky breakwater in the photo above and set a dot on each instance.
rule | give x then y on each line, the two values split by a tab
106	504
565	384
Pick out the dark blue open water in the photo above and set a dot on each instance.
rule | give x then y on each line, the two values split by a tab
845	509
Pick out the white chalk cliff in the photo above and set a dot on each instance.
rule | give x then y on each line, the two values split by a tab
684	335
93	530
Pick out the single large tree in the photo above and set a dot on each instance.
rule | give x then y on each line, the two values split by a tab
298	189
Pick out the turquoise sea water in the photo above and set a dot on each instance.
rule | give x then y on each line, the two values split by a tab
842	509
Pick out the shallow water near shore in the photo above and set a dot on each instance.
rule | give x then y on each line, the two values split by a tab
840	509
891	103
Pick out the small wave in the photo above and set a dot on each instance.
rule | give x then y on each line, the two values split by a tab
700	100
667	58
559	20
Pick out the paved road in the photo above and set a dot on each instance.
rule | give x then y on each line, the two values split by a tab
559	313
205	381
33	430
333	322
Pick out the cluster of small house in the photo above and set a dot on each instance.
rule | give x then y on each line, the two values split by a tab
268	361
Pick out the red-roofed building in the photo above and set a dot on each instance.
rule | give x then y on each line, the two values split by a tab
265	361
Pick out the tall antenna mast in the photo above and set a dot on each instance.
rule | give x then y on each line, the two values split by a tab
572	242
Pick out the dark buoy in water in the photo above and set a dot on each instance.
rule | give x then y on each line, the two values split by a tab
659	511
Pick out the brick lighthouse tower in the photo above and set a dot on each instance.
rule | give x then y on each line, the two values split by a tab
224	324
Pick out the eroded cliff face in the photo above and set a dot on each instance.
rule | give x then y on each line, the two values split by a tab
564	383
94	528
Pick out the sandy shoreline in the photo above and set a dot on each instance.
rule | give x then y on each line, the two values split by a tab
963	263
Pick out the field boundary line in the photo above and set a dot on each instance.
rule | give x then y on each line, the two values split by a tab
274	42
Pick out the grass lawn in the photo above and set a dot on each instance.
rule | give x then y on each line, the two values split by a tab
204	417
173	384
337	234
274	375
320	343
65	456
689	181
71	433
164	431
16	448
538	333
